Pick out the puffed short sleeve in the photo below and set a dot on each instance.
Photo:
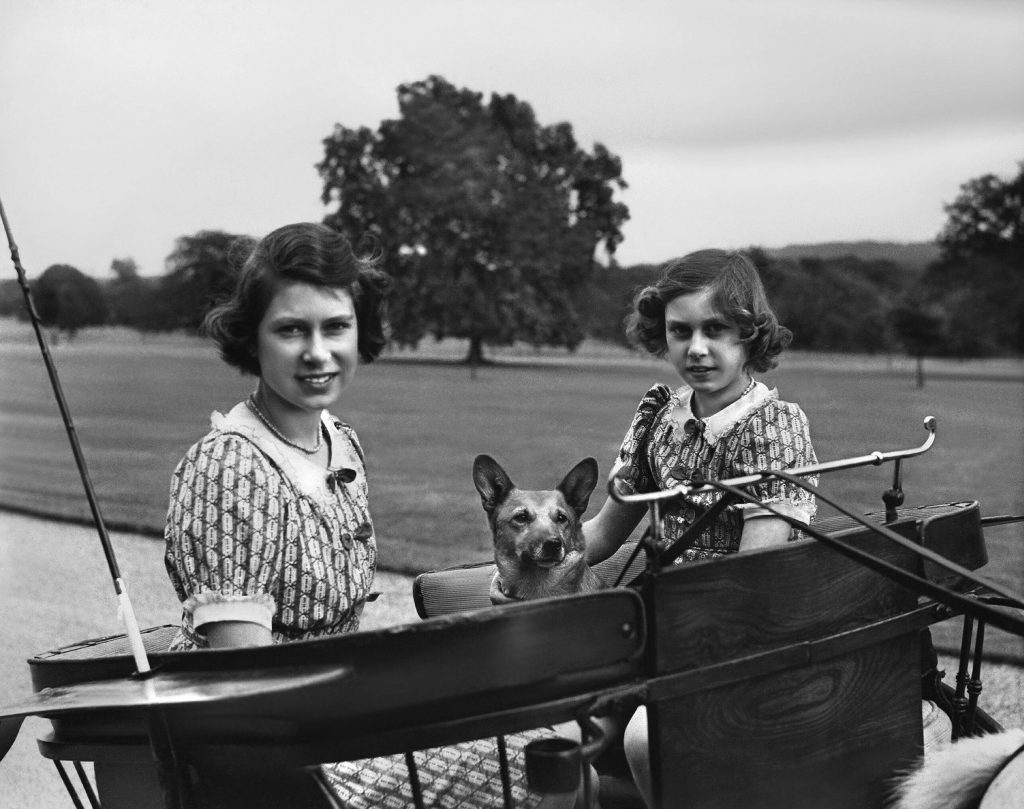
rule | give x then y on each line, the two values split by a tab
223	532
633	470
778	437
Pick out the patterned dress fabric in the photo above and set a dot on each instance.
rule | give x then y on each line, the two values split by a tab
257	532
462	776
666	444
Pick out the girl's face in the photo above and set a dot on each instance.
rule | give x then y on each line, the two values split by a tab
307	347
705	349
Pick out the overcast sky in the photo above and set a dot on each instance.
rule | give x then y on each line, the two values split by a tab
125	124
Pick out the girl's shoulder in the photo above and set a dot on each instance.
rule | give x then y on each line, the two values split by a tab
223	443
782	415
780	408
221	456
652	406
655	399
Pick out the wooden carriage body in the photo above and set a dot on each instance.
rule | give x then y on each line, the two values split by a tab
786	677
789	677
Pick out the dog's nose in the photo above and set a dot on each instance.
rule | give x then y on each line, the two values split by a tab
551	547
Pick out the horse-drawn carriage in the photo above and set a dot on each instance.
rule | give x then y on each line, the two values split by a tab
787	677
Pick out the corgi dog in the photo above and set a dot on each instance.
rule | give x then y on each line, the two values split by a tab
538	540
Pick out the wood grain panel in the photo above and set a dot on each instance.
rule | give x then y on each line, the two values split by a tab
826	736
713	611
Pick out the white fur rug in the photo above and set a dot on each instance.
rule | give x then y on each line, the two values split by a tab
956	777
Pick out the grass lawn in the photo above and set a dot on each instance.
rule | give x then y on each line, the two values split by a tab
139	402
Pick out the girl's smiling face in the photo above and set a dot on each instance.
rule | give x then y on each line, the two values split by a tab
705	349
307	347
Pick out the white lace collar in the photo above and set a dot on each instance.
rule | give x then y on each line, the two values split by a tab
719	424
309	477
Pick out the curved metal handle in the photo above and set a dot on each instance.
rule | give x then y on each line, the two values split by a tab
873	459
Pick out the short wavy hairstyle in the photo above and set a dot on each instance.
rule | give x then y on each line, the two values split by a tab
308	253
737	295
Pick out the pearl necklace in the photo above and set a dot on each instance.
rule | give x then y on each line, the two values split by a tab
747	389
265	419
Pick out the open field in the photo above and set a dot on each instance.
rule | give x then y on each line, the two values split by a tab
138	402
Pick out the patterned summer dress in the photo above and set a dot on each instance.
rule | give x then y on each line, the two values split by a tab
667	443
462	776
258	532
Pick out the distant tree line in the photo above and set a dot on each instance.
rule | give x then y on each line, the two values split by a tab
201	269
957	308
497	228
831	304
968	302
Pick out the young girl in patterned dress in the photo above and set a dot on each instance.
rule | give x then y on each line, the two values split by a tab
268	534
708	315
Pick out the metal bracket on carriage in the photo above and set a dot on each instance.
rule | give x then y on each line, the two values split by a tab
943	579
690	487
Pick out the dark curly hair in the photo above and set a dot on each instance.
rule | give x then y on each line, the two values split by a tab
737	294
309	253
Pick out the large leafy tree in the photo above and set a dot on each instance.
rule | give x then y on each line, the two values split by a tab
68	299
488	220
200	270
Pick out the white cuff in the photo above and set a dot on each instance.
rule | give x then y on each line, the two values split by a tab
754	512
208	608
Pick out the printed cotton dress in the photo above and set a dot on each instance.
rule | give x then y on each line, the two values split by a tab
666	444
257	532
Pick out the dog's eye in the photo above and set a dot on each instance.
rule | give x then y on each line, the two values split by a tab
561	517
521	517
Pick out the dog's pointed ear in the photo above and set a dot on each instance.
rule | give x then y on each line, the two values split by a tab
578	485
491	481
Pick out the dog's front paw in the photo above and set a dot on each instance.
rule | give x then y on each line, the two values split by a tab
496	592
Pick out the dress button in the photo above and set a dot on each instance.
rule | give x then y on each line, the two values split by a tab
693	427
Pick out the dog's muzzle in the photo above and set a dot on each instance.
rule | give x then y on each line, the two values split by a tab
547	553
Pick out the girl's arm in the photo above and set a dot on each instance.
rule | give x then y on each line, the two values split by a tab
219	564
763	532
616	521
610	528
225	634
791	446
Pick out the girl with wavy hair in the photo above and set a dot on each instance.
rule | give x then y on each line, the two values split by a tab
709	316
